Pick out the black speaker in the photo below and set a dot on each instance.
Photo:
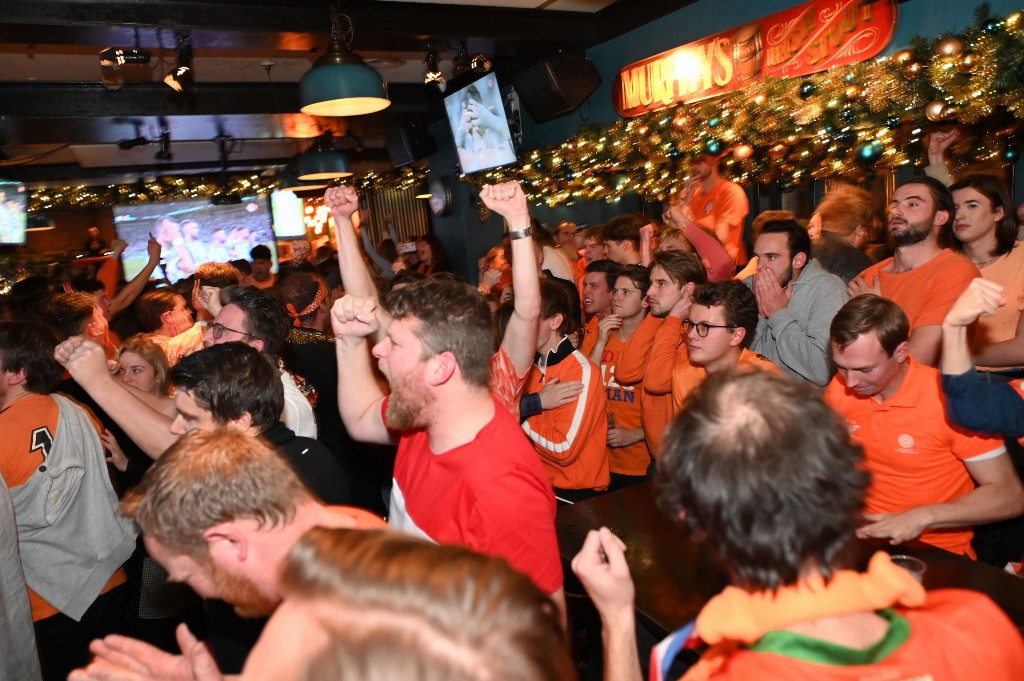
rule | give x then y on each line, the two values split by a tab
409	145
557	86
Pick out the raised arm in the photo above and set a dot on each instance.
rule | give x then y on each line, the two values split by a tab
355	276
354	319
148	427
371	250
127	295
938	142
520	339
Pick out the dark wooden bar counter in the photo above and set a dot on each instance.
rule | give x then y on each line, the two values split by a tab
676	576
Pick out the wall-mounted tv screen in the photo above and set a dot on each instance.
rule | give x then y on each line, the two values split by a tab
192	232
289	215
476	117
13	213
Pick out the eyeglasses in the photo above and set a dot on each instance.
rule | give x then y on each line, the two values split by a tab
218	330
702	327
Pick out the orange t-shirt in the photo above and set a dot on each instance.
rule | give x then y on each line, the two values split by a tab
29	425
726	202
1008	272
915	456
927	292
630	369
686	377
625	409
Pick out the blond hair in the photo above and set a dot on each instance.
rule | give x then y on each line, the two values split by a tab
422	611
207	478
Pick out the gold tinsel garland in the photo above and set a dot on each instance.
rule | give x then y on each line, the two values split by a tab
849	121
198	186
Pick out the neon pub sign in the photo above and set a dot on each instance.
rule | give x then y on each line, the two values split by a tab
805	39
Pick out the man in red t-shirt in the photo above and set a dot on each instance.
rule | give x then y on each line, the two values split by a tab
930	479
922	277
465	472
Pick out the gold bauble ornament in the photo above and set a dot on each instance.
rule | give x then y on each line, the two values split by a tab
679	121
935	111
741	152
759	98
949	49
777	151
792	139
903	56
913	69
654	139
642	130
968	63
852	91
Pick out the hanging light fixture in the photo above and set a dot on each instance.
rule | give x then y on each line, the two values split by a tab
432	73
322	161
181	78
480	64
288	181
340	83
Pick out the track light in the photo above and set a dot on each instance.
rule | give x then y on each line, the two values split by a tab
461	61
116	57
432	73
481	64
132	143
181	78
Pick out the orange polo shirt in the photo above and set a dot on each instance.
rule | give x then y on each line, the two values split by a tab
915	456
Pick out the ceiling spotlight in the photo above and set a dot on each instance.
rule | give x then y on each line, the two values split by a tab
480	64
432	73
461	61
119	56
181	78
164	152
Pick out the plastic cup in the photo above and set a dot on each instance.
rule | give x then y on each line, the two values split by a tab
915	566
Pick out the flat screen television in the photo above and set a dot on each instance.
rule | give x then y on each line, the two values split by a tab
477	120
192	232
13	213
288	214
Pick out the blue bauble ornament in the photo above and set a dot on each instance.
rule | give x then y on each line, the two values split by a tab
892	122
869	152
1011	154
807	90
714	147
714	122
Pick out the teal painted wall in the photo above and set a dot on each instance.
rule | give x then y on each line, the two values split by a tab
466	238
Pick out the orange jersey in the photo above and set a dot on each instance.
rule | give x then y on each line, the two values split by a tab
625	409
29	425
572	439
927	292
915	456
506	381
686	377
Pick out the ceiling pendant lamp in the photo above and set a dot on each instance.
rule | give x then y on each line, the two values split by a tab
322	161
340	83
288	181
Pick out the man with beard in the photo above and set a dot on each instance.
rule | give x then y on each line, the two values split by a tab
929	479
465	472
796	301
922	277
220	511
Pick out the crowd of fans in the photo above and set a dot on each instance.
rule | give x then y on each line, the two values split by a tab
208	496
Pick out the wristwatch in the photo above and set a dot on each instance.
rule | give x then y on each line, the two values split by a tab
521	233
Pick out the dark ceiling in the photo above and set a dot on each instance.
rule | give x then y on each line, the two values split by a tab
59	124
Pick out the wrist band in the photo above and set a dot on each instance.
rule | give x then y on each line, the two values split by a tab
521	233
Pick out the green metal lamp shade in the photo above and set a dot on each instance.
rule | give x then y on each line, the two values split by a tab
321	162
341	84
288	181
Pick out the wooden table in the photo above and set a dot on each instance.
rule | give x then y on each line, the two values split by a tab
675	576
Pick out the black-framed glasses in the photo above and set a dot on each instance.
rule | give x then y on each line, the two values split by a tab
702	327
218	329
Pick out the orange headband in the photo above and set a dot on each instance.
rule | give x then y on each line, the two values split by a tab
321	293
